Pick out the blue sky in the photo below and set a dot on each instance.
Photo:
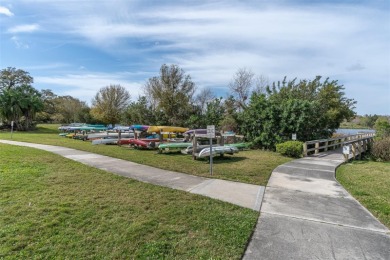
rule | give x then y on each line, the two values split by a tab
75	47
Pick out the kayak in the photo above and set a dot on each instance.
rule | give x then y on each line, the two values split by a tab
172	146
139	127
105	134
217	150
239	146
167	129
110	140
199	148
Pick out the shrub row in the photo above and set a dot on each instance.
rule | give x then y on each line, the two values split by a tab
290	148
381	149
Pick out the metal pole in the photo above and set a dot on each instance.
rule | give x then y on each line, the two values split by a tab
12	128
211	156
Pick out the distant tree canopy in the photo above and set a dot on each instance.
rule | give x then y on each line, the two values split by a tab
109	104
19	101
12	77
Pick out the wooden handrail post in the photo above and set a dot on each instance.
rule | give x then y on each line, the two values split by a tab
353	150
317	146
304	149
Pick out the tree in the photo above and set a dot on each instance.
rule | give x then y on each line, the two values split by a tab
241	86
68	109
331	103
369	120
310	109
261	83
109	104
382	128
49	106
171	93
214	112
141	112
230	119
20	104
19	101
12	78
203	98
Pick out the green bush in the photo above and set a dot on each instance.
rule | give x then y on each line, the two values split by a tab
290	148
381	149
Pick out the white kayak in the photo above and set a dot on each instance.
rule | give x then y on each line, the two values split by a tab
105	134
217	150
105	141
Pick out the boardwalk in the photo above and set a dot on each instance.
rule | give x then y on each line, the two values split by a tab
307	214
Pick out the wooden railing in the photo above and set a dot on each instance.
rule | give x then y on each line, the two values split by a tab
323	145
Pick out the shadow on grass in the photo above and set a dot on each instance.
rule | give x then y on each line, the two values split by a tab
224	159
216	159
363	161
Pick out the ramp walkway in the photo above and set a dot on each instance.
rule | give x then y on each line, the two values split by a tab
241	194
307	214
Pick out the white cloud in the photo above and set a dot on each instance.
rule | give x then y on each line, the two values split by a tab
25	28
5	11
85	86
19	44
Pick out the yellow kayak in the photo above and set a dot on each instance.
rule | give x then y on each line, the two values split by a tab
167	129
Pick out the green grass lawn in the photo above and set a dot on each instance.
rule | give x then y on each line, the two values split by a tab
369	183
52	207
253	166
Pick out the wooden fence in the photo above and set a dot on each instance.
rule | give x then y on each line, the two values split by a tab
358	142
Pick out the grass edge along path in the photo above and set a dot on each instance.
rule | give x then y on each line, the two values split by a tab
52	207
369	183
253	166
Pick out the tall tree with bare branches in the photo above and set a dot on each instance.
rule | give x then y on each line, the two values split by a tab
241	86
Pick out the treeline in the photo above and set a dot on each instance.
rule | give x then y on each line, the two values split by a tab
364	122
265	113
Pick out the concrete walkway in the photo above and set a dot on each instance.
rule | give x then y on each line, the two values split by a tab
307	214
242	194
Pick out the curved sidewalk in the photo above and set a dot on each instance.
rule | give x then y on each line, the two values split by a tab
242	194
307	214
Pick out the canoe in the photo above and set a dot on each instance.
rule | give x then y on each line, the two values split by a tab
138	143
166	129
196	131
66	127
172	146
139	127
124	141
218	150
199	132
199	148
105	134
239	146
105	141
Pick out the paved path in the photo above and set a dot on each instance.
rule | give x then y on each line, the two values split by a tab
242	194
307	214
